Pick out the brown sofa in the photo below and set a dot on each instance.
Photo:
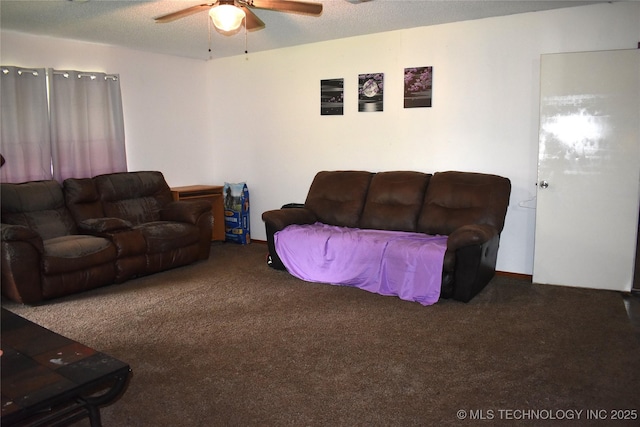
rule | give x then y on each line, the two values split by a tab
44	255
95	231
469	208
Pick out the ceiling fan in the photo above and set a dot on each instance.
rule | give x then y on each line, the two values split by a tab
227	15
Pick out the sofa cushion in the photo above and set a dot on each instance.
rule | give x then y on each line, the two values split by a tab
82	199
337	198
136	197
394	200
78	252
38	205
454	199
163	236
72	282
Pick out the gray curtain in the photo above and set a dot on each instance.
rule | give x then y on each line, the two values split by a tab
87	125
24	120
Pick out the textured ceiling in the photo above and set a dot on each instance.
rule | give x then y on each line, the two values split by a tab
131	24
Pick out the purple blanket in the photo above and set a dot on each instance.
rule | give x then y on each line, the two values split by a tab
407	265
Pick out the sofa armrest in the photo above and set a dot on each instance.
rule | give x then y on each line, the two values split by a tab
128	240
278	219
21	250
196	212
470	261
19	233
16	232
104	225
292	205
472	234
189	211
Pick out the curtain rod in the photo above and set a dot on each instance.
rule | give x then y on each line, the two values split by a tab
65	74
21	71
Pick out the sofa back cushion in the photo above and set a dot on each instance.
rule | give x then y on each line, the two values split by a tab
337	197
38	205
82	199
136	197
394	200
454	199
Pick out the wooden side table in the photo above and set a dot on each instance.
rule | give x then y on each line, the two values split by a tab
212	193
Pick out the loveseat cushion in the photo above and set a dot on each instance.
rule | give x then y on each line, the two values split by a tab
136	197
455	199
337	198
394	200
164	236
76	252
38	205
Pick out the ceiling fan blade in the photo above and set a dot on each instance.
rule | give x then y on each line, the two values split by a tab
184	12
306	7
252	22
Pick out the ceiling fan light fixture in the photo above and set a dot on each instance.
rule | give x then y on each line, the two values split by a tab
227	17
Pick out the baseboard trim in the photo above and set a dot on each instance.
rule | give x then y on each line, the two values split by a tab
527	277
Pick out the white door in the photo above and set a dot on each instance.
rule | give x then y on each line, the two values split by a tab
588	169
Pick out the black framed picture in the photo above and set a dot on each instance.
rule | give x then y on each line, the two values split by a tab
332	97
370	92
418	87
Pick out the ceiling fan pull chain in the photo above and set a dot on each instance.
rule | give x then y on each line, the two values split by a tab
245	40
209	29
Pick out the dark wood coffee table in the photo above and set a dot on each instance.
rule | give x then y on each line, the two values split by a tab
51	380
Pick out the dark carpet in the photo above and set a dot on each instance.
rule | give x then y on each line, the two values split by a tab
231	342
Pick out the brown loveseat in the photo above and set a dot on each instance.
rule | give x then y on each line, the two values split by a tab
95	231
469	208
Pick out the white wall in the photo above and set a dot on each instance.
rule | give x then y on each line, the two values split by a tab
484	116
165	107
256	118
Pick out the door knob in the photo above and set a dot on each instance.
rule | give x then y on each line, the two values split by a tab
544	184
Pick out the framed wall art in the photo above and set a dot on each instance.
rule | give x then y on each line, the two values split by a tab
370	92
418	87
332	97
